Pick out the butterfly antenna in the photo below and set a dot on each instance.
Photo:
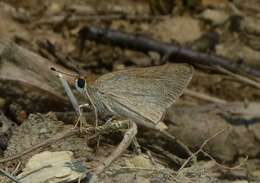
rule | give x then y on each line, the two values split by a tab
58	71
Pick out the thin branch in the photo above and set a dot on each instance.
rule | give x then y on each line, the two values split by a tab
177	160
59	19
107	128
203	96
223	166
9	176
171	51
16	168
211	138
124	144
201	148
241	78
44	144
208	155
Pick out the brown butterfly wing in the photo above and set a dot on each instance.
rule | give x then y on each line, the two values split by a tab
146	92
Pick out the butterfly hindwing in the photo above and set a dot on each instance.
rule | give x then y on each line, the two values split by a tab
148	92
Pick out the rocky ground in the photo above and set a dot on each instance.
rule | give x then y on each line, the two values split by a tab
217	117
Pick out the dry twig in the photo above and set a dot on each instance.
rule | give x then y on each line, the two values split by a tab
170	156
9	176
205	153
201	148
223	166
205	97
128	137
241	78
44	144
171	51
68	18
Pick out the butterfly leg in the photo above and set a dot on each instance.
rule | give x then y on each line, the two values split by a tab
96	116
79	121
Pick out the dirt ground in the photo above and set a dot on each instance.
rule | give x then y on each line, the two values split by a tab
217	117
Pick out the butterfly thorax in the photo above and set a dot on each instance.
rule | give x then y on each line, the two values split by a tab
103	111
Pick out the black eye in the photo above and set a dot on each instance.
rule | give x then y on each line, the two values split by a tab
81	83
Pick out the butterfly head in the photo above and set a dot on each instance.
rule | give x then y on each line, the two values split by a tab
81	84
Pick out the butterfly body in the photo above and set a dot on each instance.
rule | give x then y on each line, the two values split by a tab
140	94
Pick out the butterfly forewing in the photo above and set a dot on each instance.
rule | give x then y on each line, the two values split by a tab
148	92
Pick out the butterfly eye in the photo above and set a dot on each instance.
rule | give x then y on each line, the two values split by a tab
81	83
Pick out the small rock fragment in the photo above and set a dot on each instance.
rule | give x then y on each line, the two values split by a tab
215	17
180	29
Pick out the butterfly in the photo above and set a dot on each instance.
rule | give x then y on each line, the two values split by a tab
139	94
